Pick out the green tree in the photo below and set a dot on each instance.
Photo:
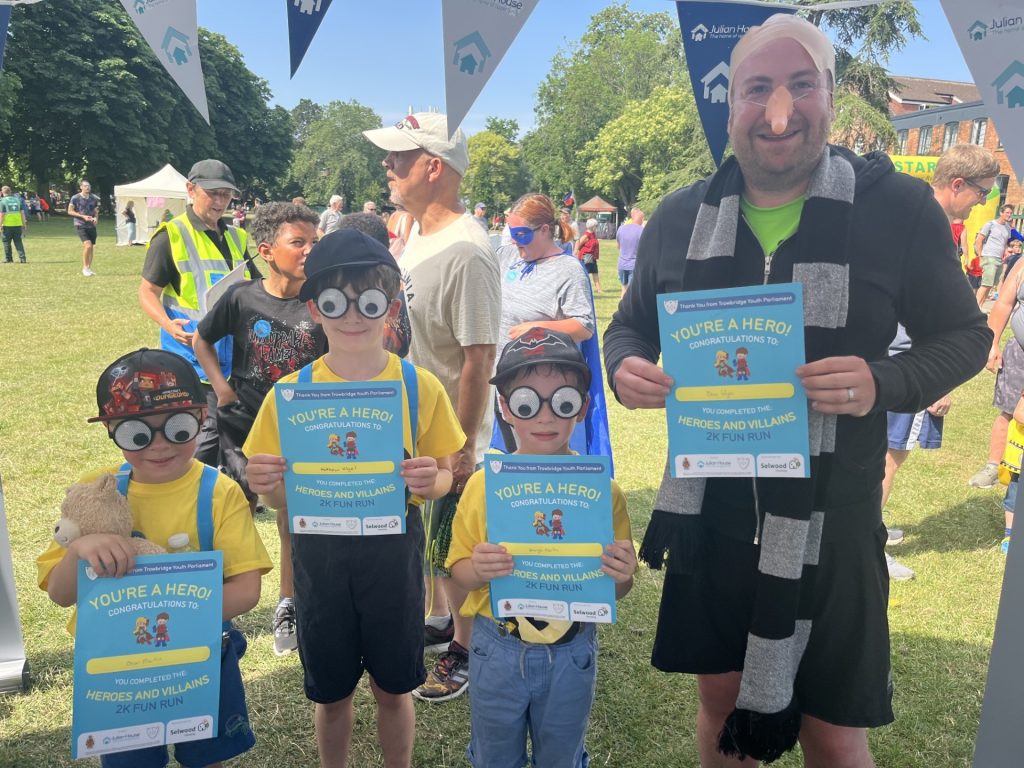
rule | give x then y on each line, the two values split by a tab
495	174
623	56
507	129
335	158
99	103
654	142
859	125
304	114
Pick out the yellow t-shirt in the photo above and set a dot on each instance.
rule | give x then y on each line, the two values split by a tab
160	510
469	528
439	433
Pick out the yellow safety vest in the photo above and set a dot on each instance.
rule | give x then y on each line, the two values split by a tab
11	207
200	264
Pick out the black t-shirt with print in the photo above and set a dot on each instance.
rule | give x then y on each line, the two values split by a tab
272	337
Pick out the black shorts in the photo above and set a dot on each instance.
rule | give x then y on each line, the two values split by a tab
590	267
86	234
359	606
844	676
234	422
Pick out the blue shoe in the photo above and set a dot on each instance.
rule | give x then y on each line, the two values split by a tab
1004	547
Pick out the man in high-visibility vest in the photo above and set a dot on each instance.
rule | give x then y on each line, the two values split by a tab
187	256
13	224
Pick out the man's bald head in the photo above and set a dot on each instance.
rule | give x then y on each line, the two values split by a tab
783	26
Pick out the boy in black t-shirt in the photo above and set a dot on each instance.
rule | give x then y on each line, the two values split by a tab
273	335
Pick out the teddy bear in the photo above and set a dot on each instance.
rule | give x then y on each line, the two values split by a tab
98	507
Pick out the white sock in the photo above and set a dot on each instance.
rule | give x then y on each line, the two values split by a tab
438	622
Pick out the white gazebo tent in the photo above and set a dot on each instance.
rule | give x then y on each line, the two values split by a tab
163	191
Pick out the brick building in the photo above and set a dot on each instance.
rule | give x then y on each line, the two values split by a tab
932	115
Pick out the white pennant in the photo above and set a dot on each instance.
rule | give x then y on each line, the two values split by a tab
477	33
170	28
991	36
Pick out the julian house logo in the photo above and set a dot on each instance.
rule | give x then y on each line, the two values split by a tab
979	30
1010	86
699	33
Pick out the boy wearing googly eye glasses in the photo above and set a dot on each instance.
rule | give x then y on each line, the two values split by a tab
152	405
527	674
359	599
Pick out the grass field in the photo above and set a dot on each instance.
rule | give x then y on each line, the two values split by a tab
59	330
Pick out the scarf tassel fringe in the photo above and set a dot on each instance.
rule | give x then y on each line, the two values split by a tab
764	737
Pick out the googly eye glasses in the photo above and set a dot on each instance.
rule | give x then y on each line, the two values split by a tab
565	402
371	303
136	434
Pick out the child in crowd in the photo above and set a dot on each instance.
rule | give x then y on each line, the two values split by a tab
152	405
359	600
273	335
527	674
1009	470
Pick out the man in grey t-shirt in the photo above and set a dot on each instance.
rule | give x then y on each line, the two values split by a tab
330	219
989	246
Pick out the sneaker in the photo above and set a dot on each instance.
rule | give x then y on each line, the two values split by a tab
449	678
285	639
895	536
985	477
86	272
897	570
436	640
1004	547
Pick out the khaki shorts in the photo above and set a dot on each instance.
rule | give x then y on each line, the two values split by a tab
990	272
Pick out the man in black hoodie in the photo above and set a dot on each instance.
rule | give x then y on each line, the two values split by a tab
783	618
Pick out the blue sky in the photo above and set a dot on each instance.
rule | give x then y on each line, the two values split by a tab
387	54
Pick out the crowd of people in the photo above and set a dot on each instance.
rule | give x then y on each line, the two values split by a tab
776	590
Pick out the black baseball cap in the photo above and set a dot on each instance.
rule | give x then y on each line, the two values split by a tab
338	250
540	346
145	382
212	174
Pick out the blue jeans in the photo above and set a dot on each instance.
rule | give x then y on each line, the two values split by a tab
517	688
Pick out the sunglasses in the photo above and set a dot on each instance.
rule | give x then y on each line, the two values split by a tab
522	235
525	402
136	434
982	192
371	303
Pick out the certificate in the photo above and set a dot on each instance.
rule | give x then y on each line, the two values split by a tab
737	408
344	445
554	516
147	654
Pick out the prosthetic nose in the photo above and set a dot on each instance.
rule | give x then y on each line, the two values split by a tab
779	109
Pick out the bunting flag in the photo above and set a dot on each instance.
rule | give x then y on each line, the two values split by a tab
710	32
991	36
569	200
170	28
5	18
477	33
304	17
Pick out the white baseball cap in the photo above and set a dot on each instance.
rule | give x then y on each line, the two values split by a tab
427	131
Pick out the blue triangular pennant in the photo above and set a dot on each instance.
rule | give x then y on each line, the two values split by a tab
304	17
710	32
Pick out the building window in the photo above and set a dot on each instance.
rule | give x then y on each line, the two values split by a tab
1002	184
901	142
949	135
924	141
978	130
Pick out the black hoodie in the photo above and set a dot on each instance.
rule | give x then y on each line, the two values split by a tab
903	268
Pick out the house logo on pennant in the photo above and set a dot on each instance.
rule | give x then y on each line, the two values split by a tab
471	54
308	7
699	33
176	46
140	7
977	30
716	84
1010	86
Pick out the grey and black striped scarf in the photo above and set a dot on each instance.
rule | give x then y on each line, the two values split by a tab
766	721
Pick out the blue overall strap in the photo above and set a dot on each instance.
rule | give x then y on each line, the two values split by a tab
305	374
124	474
204	508
412	395
204	515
